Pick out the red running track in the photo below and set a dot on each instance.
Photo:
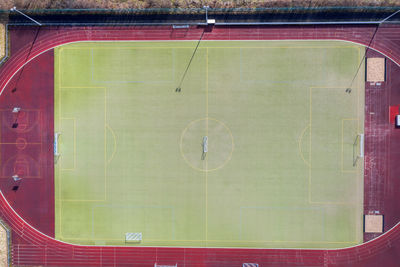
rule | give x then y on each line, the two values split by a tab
37	248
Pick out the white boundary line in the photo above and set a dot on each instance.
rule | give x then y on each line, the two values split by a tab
308	40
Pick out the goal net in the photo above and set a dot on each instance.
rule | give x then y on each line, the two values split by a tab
358	148
56	151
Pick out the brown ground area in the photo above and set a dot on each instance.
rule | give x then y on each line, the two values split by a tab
375	69
3	247
119	4
373	223
2	41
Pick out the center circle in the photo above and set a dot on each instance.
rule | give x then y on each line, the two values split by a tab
219	144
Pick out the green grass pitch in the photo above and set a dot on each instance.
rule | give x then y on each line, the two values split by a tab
280	125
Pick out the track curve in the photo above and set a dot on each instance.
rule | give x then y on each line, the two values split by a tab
40	249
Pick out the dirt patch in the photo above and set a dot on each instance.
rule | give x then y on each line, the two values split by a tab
119	4
373	223
3	247
375	69
2	40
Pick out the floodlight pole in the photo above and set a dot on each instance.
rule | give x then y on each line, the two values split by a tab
388	17
206	8
15	9
367	48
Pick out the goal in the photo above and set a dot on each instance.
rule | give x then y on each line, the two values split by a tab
358	148
56	152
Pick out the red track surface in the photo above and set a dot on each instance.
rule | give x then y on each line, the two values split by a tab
35	248
28	149
382	148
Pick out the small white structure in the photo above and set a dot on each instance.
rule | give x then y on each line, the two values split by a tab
180	26
16	178
397	122
205	144
16	110
210	21
56	135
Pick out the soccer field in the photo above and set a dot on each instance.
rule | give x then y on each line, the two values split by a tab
282	127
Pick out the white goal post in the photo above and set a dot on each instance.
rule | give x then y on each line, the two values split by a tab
361	146
56	135
55	145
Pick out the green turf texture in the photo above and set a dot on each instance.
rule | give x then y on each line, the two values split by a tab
279	169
